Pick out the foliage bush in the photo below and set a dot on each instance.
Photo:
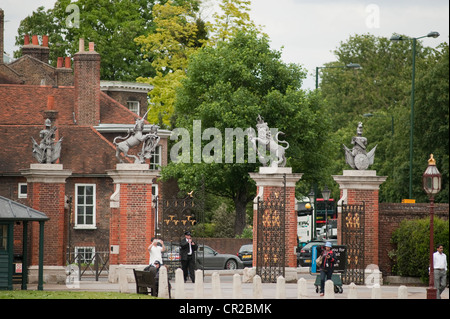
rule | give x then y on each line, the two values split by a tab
412	240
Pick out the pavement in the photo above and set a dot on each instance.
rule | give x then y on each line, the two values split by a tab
269	289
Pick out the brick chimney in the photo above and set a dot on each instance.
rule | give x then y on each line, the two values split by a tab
2	34
40	52
87	85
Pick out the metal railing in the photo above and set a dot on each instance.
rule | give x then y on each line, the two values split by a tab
93	266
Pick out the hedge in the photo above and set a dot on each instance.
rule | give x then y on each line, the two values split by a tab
412	241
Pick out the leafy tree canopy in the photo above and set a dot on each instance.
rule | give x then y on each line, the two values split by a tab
228	86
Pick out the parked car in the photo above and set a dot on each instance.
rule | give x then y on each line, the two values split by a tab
304	256
212	259
246	255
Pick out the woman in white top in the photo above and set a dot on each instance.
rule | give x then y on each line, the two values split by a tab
156	251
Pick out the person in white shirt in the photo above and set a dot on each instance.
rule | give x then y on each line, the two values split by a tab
440	270
156	251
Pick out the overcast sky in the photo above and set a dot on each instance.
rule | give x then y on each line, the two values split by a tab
308	30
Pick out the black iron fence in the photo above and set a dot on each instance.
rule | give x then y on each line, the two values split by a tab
92	265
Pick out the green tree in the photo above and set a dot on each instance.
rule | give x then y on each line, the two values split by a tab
174	40
432	118
233	18
382	88
227	86
111	24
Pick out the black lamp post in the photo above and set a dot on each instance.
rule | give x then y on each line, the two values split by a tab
312	199
431	180
326	196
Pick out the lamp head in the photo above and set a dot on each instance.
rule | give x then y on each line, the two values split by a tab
396	37
433	34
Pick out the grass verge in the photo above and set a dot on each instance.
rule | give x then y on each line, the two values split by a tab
33	294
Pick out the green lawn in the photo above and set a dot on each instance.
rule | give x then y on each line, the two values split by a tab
32	294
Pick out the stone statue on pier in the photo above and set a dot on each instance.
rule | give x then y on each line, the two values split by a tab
47	151
358	158
266	142
134	138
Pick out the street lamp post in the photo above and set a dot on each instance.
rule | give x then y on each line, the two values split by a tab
326	197
348	66
433	34
431	181
312	199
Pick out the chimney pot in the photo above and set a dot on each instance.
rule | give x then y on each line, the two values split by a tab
81	45
34	40
50	102
26	39
45	40
67	63
59	62
91	46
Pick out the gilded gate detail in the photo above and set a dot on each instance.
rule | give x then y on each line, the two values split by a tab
353	237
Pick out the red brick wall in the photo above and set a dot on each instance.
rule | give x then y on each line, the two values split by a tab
48	198
136	224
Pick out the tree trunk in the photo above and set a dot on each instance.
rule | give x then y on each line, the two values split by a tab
240	204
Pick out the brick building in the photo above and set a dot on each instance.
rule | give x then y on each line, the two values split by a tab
88	114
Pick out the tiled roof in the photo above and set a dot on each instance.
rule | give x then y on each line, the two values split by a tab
84	149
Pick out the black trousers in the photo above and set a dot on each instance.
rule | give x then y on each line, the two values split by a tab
188	268
325	274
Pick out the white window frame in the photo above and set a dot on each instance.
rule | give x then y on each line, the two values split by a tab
83	250
21	194
134	106
155	161
78	205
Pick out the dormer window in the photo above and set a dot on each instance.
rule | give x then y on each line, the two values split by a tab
134	106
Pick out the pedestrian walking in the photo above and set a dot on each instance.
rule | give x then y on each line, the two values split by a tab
327	261
440	270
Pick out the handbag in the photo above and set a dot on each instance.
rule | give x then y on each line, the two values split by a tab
319	260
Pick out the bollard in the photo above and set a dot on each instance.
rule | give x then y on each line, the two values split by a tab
281	288
329	289
257	287
163	289
376	291
402	292
301	289
216	290
198	285
352	291
237	287
179	284
123	280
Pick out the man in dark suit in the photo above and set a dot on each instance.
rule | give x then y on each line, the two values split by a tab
187	254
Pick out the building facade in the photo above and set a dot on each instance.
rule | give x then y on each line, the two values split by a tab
75	191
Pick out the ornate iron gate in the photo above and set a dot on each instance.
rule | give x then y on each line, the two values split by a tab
177	215
271	254
353	237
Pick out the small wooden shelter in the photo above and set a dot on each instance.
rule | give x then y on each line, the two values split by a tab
11	213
